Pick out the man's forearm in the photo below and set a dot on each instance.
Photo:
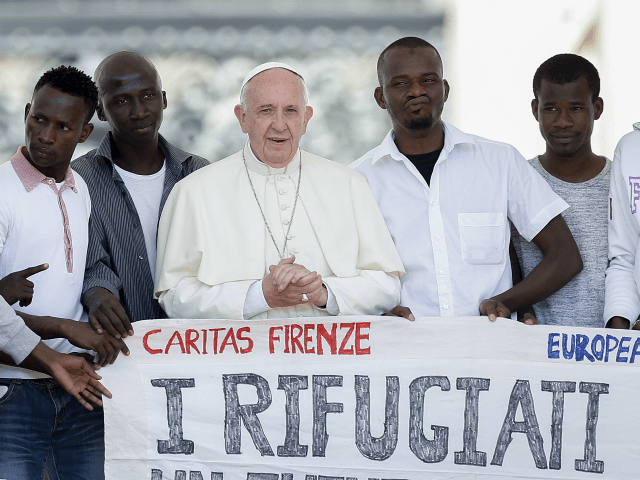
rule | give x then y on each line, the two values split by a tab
29	363
550	275
618	322
45	327
561	262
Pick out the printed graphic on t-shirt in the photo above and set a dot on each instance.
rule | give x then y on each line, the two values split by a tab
634	183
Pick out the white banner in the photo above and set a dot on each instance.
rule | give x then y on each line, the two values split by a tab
372	398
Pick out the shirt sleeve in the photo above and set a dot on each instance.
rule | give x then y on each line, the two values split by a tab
532	203
98	270
373	292
255	303
332	307
16	339
193	299
621	290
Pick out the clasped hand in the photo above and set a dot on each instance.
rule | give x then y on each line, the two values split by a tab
287	282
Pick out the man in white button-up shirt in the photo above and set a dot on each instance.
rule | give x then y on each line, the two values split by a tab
447	198
273	231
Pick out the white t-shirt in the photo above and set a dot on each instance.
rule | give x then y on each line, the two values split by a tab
453	236
146	192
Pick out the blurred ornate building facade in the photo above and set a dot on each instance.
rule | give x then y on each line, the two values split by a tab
203	49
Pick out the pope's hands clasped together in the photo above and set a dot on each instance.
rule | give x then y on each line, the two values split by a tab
289	284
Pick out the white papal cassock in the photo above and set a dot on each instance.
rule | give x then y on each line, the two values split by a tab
213	244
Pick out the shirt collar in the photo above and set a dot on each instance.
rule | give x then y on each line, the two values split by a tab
263	169
31	177
452	137
173	155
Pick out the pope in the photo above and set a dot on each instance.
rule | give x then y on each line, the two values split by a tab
273	231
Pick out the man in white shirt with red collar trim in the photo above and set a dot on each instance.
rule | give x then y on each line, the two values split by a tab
44	215
447	198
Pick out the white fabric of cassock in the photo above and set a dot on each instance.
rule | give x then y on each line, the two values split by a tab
210	293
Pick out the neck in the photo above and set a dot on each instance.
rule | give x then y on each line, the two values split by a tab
579	167
58	171
139	159
416	142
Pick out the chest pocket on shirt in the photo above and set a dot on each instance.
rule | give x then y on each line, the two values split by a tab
482	238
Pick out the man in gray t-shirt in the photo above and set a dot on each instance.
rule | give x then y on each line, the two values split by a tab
566	104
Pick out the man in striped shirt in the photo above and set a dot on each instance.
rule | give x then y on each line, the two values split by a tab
129	177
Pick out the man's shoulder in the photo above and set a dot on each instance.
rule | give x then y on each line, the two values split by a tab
191	161
328	167
196	162
80	183
487	144
9	179
630	143
6	170
365	161
213	172
88	165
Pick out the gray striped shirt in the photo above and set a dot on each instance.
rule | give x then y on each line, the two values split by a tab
117	254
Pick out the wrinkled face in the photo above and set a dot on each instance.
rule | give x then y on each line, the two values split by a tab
54	125
566	114
276	116
413	91
132	101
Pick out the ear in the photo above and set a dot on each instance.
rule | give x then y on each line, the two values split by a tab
446	90
27	108
241	116
534	108
378	95
308	113
86	131
164	99
598	108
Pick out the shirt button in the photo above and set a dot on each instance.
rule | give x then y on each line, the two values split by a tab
441	272
140	257
280	177
281	192
437	237
135	225
446	307
289	237
432	203
284	207
286	222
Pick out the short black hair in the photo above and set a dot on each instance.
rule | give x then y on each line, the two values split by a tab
567	68
405	42
74	82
